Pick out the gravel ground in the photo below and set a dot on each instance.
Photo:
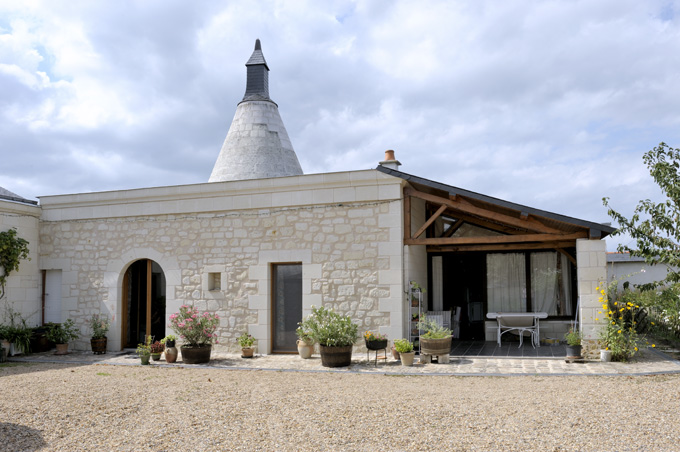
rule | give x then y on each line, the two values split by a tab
59	407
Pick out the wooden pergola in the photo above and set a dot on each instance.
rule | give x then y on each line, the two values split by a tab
512	226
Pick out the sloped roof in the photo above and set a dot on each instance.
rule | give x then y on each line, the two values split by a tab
10	196
504	206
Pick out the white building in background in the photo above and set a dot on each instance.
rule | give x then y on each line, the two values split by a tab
624	267
261	242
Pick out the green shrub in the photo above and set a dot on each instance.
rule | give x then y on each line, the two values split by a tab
329	328
403	345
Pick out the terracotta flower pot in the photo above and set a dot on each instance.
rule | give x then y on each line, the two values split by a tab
62	349
247	352
305	349
171	354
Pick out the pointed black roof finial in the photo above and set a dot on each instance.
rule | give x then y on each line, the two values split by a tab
257	84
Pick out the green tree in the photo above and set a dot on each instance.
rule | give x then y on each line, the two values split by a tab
12	250
655	227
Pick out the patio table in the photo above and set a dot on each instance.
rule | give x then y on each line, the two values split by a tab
518	321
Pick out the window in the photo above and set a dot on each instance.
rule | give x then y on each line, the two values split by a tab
547	274
214	281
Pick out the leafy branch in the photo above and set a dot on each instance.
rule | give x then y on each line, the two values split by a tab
12	250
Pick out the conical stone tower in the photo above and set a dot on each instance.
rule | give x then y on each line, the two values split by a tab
257	144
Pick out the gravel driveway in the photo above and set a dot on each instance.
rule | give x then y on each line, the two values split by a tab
59	407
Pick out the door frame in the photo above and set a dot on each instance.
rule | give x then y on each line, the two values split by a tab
272	305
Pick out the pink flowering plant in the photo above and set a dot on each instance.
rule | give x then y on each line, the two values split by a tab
196	328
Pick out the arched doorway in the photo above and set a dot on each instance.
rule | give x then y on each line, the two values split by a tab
143	302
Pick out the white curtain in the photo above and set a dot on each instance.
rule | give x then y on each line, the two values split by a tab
551	283
506	282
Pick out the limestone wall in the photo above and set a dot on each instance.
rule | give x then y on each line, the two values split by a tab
344	228
592	271
23	286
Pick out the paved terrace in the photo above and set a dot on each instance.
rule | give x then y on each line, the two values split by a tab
472	362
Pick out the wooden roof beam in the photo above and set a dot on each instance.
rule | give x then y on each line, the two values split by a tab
429	222
500	247
495	239
529	224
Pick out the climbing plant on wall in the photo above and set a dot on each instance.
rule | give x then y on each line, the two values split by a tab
12	250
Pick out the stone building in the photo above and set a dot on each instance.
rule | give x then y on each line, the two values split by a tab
261	243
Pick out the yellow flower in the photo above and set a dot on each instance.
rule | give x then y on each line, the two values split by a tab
604	306
652	323
616	303
619	331
596	318
653	345
597	288
636	349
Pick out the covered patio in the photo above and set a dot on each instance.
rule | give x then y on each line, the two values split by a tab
477	254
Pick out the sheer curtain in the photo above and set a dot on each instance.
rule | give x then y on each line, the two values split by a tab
506	282
551	283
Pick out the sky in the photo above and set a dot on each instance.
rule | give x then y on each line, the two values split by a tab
550	104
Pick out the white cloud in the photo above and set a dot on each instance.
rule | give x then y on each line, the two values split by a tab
548	103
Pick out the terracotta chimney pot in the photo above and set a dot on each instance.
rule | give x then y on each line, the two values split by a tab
389	155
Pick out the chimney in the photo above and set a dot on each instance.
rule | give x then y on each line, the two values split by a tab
390	162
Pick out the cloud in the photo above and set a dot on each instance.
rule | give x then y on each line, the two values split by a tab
549	104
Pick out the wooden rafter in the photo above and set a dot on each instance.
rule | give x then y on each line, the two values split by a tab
454	227
571	258
529	224
429	222
500	247
497	239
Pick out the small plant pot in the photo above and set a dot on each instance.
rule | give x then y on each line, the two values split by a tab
171	354
156	356
376	345
605	356
247	352
305	349
407	358
395	354
144	359
573	351
62	349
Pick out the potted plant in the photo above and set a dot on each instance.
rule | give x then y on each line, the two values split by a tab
573	338
144	350
61	334
305	343
335	333
415	289
157	349
246	342
198	332
405	349
99	325
375	341
170	349
17	334
436	340
19	337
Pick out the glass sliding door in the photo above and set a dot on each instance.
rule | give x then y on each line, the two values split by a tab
286	306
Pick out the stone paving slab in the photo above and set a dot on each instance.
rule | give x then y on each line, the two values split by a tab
648	362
